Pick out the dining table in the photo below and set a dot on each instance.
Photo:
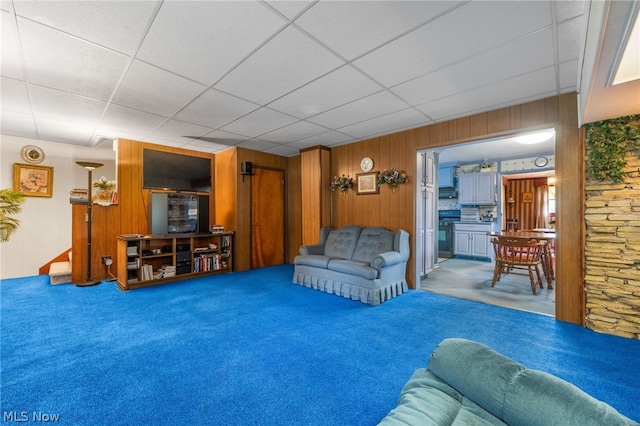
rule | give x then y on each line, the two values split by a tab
548	237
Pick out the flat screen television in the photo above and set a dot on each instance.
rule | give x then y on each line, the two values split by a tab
175	172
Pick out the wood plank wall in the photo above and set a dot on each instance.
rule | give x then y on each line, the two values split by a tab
524	212
399	150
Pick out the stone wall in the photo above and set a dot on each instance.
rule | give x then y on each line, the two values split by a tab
612	253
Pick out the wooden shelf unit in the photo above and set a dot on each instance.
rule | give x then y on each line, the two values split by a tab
141	258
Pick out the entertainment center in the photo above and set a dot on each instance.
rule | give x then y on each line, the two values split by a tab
145	260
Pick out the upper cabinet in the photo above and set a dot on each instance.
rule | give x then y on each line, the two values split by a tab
446	176
477	188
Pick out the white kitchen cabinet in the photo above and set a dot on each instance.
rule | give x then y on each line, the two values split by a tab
473	240
477	188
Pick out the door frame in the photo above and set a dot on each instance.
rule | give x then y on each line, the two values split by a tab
284	210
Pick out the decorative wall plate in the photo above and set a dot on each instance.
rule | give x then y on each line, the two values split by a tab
366	164
32	154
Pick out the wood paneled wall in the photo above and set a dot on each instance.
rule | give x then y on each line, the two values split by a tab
316	209
399	150
294	208
524	212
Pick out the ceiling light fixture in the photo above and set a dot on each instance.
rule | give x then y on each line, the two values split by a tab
626	67
533	138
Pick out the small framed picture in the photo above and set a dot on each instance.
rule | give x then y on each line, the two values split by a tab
367	183
527	197
32	180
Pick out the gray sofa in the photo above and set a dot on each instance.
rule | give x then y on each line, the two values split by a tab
365	264
468	383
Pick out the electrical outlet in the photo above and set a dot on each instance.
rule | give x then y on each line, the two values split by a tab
106	260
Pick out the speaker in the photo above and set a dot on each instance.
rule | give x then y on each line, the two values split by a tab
246	168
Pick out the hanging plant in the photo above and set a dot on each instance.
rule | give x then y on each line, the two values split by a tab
393	178
608	141
10	203
343	183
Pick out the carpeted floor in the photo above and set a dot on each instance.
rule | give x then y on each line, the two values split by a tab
253	348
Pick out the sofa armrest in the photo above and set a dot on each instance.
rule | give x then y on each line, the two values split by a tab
312	249
387	259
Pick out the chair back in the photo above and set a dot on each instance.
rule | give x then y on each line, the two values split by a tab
518	251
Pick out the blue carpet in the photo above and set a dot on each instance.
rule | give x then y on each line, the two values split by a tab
253	348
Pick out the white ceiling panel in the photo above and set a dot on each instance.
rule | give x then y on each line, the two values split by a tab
94	20
284	150
65	106
18	124
528	53
353	28
214	109
10	54
485	25
14	96
372	106
63	62
284	75
287	62
339	87
203	40
258	122
148	88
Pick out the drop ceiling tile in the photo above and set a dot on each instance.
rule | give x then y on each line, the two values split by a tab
568	76
208	38
220	137
14	96
17	124
330	138
214	109
363	109
118	25
352	28
337	88
257	145
148	88
387	124
65	106
283	150
10	60
293	132
206	146
289	8
258	122
460	34
179	131
535	51
62	131
286	63
80	67
568	9
569	43
119	118
509	92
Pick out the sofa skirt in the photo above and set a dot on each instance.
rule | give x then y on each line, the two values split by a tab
371	292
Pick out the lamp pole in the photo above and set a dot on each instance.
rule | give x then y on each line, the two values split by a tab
90	168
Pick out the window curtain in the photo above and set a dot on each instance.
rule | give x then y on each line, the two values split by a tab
541	203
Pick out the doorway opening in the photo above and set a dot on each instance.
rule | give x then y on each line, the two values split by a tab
524	196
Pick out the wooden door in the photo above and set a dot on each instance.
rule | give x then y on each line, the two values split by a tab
267	217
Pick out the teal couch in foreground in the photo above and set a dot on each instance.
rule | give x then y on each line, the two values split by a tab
468	383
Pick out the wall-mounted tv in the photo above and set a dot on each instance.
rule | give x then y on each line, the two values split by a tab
176	172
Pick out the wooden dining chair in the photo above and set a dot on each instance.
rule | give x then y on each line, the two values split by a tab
518	253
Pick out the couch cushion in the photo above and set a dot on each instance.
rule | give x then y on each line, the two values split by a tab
316	260
372	242
352	267
342	242
476	371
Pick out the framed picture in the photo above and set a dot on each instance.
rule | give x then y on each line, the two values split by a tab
527	197
32	180
367	183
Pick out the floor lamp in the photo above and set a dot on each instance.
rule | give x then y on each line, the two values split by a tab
90	167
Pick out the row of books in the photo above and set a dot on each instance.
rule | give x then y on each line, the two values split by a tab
133	264
208	262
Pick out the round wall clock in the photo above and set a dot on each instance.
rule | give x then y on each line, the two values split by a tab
366	164
32	154
541	161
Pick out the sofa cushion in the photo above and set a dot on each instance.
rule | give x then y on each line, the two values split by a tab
352	267
342	242
372	242
318	261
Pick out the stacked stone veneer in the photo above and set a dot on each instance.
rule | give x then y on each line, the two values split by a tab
612	253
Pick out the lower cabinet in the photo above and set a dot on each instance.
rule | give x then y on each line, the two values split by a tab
473	240
145	260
